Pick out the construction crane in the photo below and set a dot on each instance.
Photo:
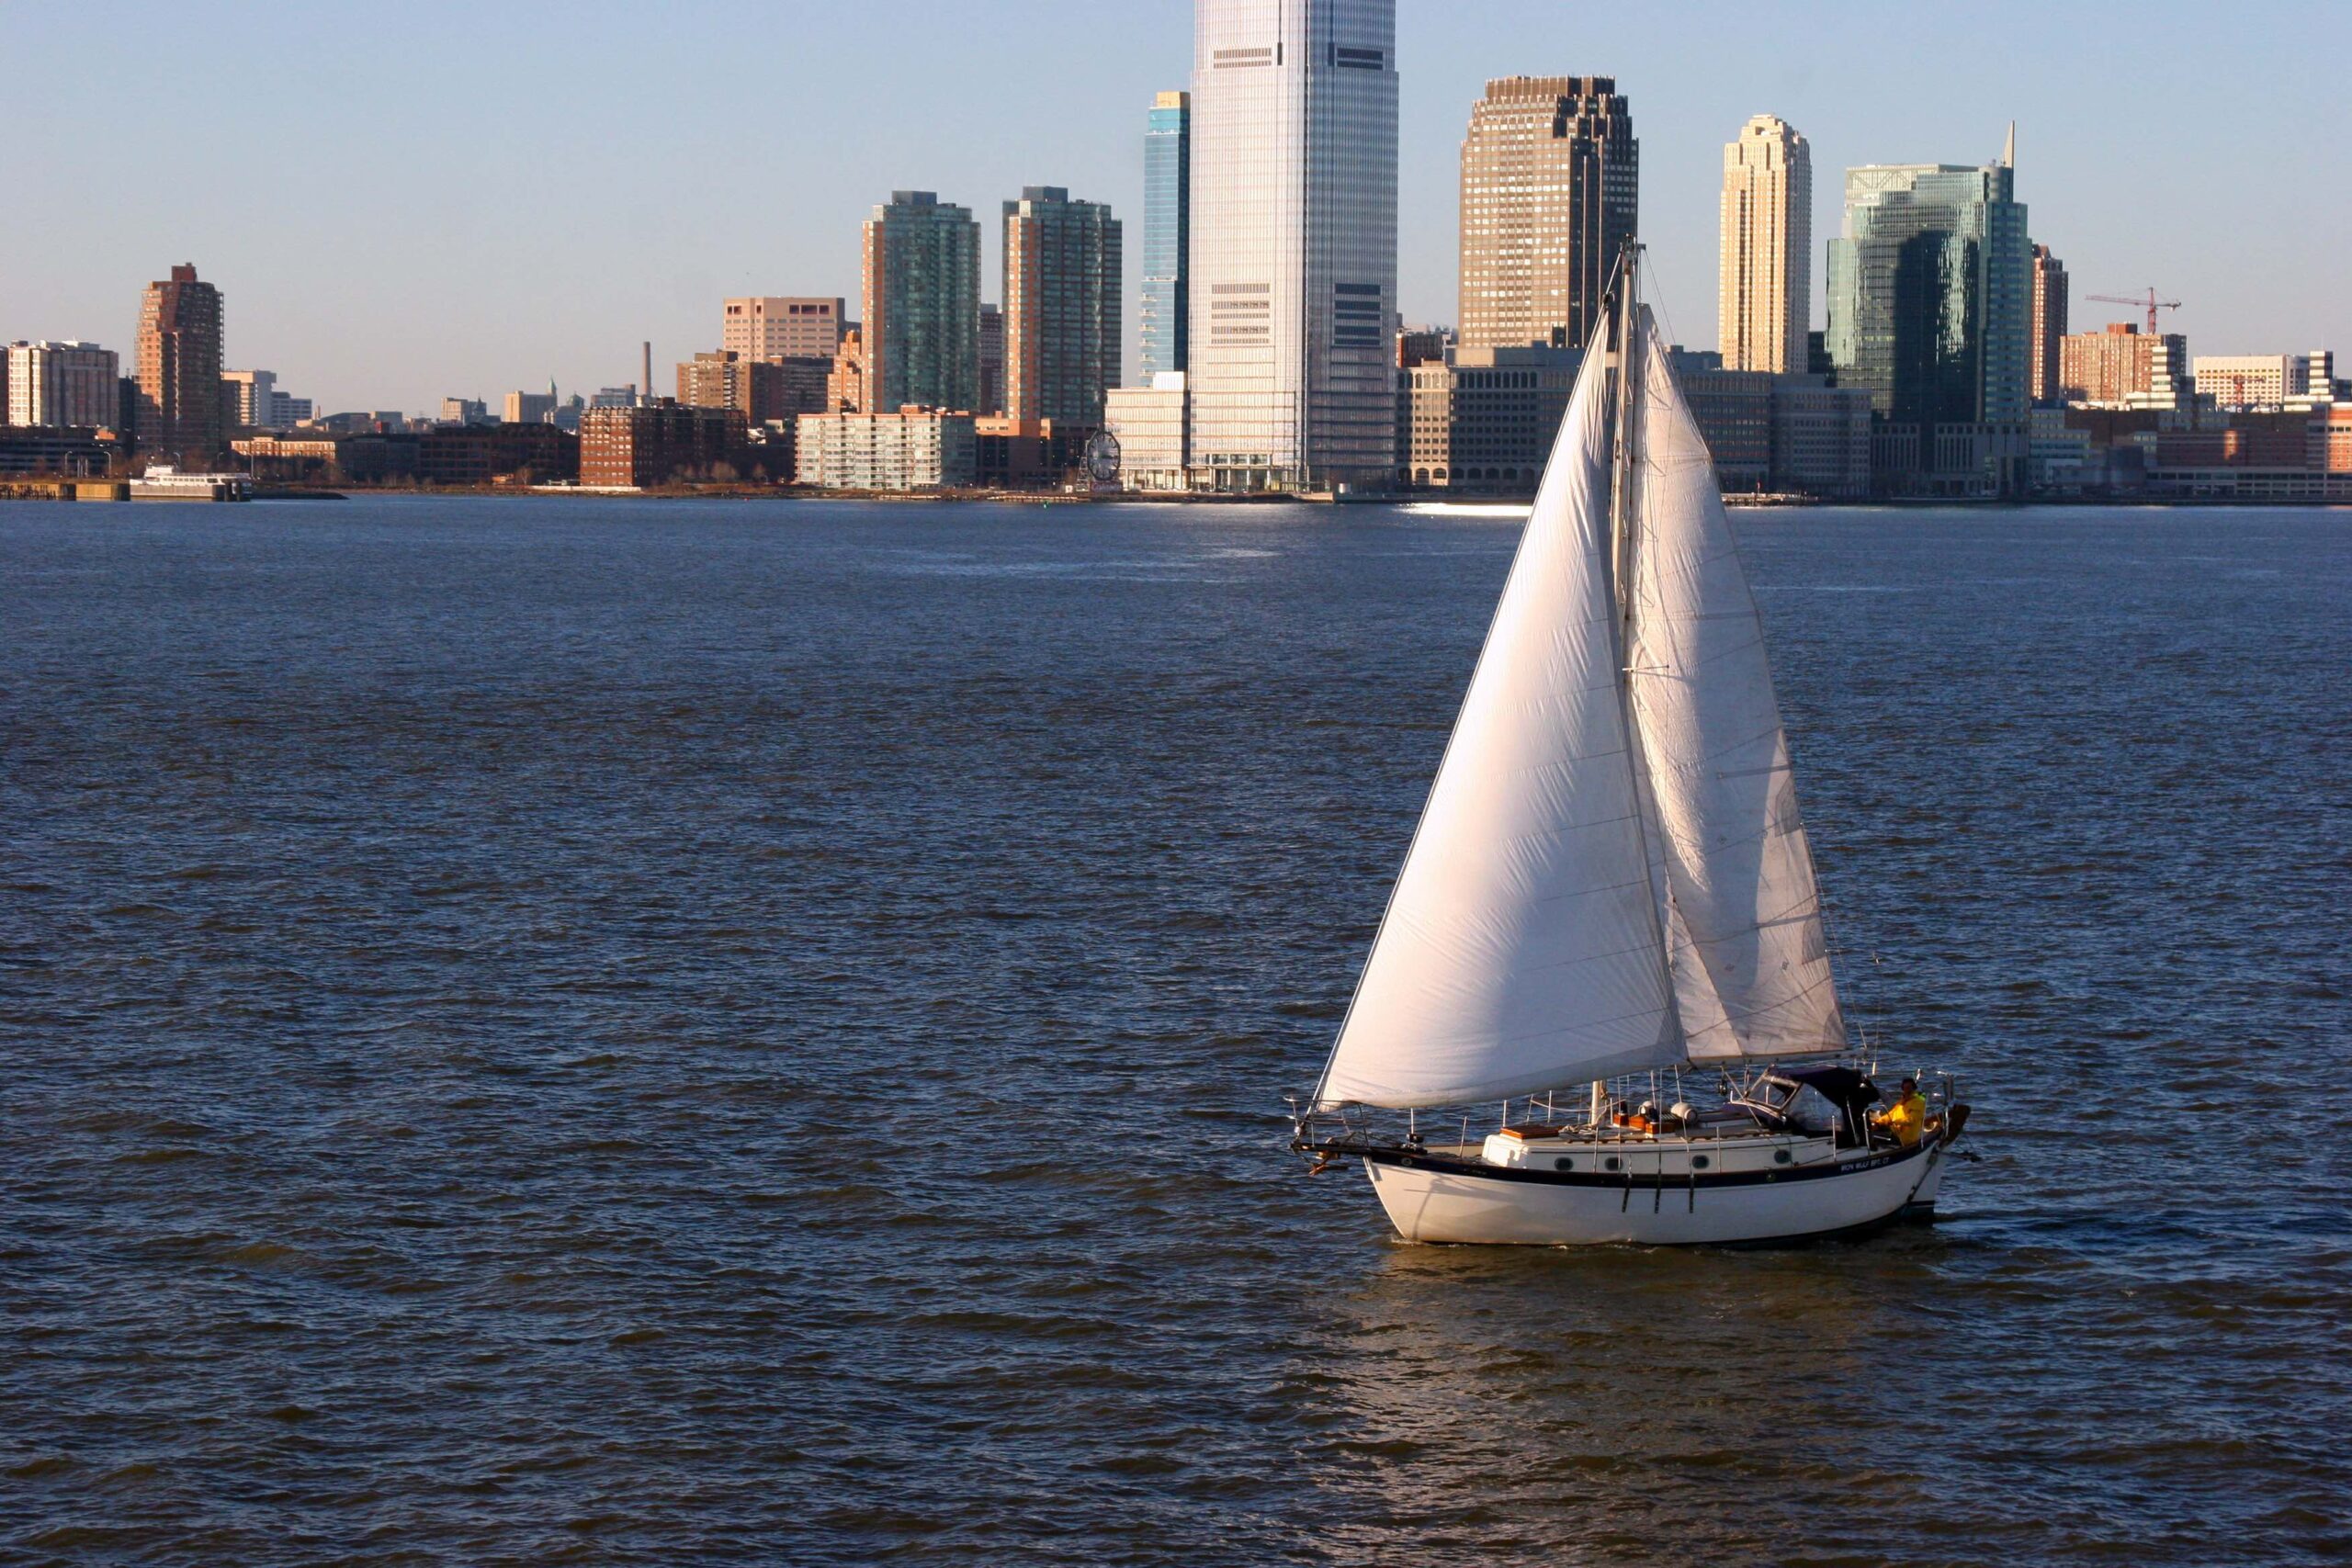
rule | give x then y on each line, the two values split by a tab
2150	303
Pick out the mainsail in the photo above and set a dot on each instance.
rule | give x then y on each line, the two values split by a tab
1607	876
1520	949
1751	965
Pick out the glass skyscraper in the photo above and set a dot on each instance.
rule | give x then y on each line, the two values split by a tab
1062	272
1167	232
1931	294
923	305
1292	277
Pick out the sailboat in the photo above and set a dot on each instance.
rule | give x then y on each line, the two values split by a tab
1611	886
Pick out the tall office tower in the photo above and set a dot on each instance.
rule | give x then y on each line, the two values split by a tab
1551	186
1062	276
179	367
1293	275
1765	279
992	361
1930	288
923	305
1167	232
772	326
2047	315
62	383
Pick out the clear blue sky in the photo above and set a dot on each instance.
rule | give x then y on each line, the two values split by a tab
424	199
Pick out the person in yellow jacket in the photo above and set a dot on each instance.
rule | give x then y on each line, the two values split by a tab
1907	1117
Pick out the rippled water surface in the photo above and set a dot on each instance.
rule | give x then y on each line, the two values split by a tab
624	1032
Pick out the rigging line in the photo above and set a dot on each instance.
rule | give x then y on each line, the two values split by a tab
1649	269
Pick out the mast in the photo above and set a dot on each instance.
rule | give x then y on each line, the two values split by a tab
1624	460
1624	517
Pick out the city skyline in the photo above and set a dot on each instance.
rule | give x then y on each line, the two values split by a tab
471	284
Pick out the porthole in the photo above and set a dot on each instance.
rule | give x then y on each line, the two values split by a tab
1700	1162
1782	1156
1564	1163
1610	1163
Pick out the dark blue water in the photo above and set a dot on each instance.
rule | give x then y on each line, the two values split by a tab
646	1033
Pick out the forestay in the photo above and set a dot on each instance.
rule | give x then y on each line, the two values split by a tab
1751	966
1521	948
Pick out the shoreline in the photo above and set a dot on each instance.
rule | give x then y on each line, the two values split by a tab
1741	500
1492	505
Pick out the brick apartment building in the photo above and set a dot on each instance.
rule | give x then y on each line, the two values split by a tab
660	443
493	454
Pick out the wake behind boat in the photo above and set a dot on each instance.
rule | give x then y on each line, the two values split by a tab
1611	881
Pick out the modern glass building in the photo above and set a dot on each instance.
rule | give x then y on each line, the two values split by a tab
1167	232
1063	269
1293	272
1930	294
923	305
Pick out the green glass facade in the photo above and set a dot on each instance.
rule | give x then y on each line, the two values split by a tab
922	304
1931	293
1063	266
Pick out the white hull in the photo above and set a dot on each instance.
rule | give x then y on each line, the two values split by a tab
1440	1199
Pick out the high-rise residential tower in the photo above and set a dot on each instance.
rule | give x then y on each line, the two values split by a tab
1764	278
772	326
2047	316
1167	232
179	369
1292	277
1062	276
922	320
1930	288
1550	187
